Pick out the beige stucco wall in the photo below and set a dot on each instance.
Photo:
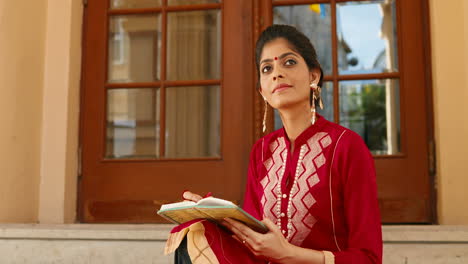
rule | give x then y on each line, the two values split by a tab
40	51
58	183
449	26
22	38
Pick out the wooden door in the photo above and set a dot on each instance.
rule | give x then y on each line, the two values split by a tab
166	104
376	59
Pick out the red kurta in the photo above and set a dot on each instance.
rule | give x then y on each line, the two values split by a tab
323	196
329	185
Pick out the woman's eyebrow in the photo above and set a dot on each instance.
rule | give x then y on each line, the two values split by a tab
280	57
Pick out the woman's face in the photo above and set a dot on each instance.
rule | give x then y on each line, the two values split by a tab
284	76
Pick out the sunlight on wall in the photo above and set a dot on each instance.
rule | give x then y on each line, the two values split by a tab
21	79
450	86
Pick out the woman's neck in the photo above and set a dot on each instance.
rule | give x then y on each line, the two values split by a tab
295	121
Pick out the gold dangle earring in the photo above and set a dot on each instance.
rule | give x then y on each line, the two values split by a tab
313	86
316	96
265	115
319	97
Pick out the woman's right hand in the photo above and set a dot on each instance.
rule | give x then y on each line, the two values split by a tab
189	196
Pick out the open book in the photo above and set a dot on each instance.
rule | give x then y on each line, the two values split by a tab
210	208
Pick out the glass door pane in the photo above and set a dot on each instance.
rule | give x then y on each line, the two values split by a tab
132	123
134	48
367	37
194	45
371	108
193	122
190	124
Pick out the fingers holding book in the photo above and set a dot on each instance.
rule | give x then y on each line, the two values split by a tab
241	232
271	246
189	196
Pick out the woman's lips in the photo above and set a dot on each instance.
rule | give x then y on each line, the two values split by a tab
280	87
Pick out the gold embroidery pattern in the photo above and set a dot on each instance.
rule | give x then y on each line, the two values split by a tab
302	221
275	170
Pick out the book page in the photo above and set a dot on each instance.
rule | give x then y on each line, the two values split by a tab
183	215
212	201
175	205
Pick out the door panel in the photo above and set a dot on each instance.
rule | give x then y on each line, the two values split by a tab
166	120
373	54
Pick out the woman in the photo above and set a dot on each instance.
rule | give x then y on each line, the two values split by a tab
312	182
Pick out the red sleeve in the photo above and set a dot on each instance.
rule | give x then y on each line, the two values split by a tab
355	164
251	200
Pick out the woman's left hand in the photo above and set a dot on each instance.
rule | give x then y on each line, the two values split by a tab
272	246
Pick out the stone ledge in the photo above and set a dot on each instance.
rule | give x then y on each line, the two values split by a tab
425	234
158	232
150	232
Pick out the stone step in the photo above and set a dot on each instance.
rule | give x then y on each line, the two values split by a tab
135	244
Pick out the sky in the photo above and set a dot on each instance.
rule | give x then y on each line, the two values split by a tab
360	26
